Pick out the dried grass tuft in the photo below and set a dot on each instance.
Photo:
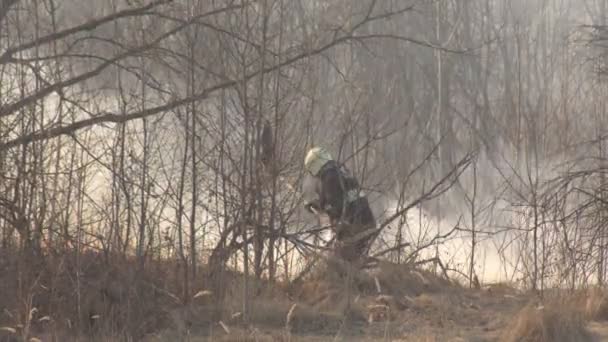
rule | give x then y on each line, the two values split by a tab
554	322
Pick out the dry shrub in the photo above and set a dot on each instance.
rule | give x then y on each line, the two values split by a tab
551	323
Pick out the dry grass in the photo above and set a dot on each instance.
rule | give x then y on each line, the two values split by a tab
117	303
326	289
554	322
595	305
303	319
85	296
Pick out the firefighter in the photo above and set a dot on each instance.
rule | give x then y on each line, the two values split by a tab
339	196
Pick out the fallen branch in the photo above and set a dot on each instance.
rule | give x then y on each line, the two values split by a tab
436	261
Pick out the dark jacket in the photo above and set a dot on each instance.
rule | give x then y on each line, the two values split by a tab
340	197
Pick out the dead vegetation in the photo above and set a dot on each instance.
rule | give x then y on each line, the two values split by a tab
552	322
562	316
168	134
101	303
595	305
84	296
81	298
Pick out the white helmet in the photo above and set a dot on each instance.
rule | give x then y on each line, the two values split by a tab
316	158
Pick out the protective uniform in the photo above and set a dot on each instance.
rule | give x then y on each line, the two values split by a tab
340	197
